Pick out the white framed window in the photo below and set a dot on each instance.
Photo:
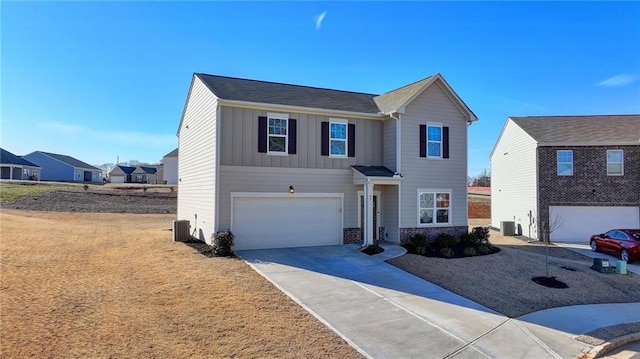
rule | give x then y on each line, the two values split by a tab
277	139
138	178
338	138
434	207
434	141
565	162
615	162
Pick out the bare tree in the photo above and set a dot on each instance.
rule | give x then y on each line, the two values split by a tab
555	222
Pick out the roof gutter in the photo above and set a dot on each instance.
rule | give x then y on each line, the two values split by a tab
289	108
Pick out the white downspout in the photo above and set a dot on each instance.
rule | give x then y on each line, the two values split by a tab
398	167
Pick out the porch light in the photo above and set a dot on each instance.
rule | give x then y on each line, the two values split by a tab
291	190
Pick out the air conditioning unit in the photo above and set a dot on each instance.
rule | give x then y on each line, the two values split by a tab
181	231
508	228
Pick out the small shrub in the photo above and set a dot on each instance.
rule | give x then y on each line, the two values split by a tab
447	252
144	189
469	239
481	233
171	189
470	252
419	244
485	248
222	243
372	249
445	241
86	187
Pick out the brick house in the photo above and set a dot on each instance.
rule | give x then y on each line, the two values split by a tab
578	175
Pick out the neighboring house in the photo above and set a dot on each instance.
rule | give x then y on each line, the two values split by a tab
144	174
17	168
287	166
576	175
170	167
121	174
64	168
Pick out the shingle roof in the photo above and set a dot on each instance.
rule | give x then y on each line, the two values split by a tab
374	171
149	170
393	100
230	88
8	158
70	160
126	169
582	129
173	153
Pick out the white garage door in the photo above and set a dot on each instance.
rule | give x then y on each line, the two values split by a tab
282	222
578	224
116	179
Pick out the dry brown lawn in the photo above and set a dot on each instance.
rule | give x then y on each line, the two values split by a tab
115	285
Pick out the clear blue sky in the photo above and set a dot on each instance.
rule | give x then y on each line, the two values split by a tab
97	80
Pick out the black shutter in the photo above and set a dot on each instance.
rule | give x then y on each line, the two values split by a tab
351	138
445	142
292	136
423	140
324	139
262	134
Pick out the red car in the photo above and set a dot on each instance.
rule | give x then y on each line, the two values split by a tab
619	242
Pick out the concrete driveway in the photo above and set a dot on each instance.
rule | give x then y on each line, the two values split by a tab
385	312
585	250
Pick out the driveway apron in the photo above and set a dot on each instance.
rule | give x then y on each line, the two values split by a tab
385	312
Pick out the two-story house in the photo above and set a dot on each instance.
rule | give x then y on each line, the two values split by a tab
575	176
284	165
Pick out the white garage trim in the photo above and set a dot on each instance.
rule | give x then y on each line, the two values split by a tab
579	223
258	222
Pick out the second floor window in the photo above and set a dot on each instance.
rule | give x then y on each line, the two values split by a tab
434	141
615	163
338	139
565	162
277	135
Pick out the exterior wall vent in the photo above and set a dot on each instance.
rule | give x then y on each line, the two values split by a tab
508	228
181	231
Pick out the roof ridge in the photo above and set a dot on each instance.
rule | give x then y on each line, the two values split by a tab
555	116
286	84
407	85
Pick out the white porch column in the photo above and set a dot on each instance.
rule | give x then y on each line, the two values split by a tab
10	172
368	212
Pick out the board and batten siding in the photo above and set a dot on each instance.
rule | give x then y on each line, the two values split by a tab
389	144
239	141
514	179
389	217
278	180
197	166
433	106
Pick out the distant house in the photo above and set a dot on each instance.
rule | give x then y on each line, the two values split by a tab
56	167
170	169
17	168
577	175
121	174
138	174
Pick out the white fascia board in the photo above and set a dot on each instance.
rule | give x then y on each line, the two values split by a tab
378	180
587	144
308	110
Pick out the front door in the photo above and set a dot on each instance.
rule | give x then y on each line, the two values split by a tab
375	218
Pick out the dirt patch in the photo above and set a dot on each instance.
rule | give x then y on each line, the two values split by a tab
115	285
479	209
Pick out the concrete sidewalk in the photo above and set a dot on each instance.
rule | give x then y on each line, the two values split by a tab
385	312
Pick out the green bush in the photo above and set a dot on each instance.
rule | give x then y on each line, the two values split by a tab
469	239
222	243
419	244
485	248
445	241
447	252
470	252
481	233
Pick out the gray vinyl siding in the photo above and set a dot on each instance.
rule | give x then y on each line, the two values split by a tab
272	180
389	144
389	217
513	179
433	105
197	165
239	141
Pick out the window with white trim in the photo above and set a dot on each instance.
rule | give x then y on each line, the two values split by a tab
338	139
277	126
565	162
434	141
434	207
615	163
138	178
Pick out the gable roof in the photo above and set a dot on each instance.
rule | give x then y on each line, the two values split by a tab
69	160
582	130
8	158
148	170
237	89
396	100
173	153
126	169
